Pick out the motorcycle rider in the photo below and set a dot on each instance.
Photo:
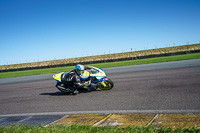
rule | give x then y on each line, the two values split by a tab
77	78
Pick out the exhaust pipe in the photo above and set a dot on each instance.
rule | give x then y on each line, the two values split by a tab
63	88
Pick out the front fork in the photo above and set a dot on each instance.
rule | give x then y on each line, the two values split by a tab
103	82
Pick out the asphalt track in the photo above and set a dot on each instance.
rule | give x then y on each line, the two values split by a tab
171	87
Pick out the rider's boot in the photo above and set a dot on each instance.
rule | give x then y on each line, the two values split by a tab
75	92
95	85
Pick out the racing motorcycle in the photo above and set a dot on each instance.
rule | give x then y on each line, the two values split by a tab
97	77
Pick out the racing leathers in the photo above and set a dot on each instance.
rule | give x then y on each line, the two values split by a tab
80	80
73	81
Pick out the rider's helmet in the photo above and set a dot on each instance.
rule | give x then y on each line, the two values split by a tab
79	69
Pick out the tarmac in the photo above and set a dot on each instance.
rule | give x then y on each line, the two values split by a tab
160	118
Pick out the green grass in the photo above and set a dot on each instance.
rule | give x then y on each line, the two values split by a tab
101	65
91	129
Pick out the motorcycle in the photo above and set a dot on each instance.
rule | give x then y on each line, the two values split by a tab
97	76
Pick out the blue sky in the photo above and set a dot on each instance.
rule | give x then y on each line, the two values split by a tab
38	30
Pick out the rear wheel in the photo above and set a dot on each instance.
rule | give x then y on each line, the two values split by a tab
109	85
60	89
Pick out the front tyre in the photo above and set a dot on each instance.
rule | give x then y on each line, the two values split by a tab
109	85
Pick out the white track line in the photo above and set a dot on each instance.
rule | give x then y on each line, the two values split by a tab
107	112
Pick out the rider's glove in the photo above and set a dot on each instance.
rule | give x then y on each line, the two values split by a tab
89	82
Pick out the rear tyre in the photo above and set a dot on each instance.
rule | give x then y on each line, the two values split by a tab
60	89
109	85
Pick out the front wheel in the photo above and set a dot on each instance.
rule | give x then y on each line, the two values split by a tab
109	85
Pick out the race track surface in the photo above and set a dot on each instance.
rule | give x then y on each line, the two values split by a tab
174	88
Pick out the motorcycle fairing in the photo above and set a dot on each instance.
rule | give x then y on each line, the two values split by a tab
100	78
99	73
85	76
58	77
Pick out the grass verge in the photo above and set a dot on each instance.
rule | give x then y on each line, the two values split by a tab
105	57
101	65
91	129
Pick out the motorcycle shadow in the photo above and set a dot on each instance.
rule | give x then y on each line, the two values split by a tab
59	93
